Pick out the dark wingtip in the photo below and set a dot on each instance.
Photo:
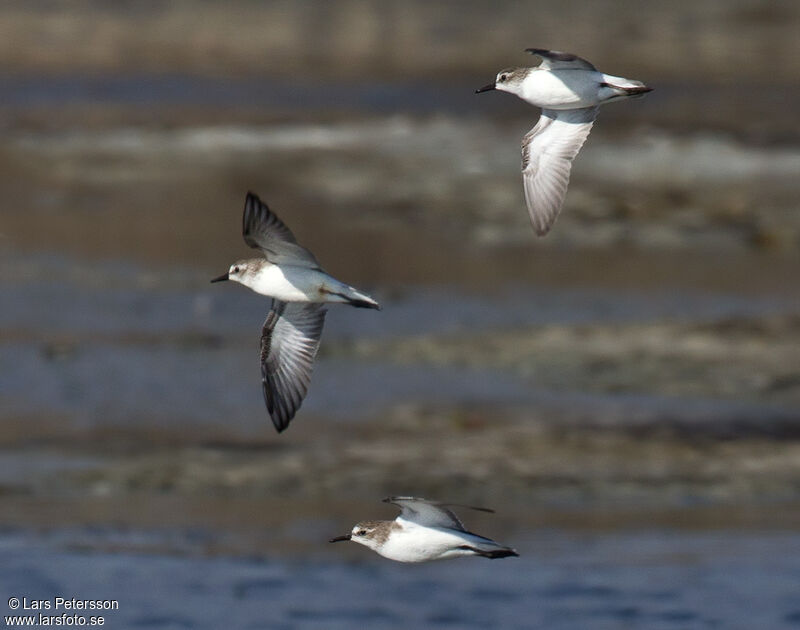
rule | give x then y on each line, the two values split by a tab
279	420
542	52
402	497
481	509
279	416
252	200
558	55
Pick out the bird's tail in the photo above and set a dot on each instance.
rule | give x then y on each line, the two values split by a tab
364	302
492	550
502	552
352	296
616	88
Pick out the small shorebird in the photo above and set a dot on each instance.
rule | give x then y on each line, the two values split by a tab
569	90
290	275
424	530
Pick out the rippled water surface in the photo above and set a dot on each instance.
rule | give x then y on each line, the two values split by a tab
639	579
624	392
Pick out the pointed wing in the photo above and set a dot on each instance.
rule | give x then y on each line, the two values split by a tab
430	513
289	342
547	153
262	229
552	59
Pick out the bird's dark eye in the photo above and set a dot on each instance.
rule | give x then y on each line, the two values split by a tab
236	269
361	532
503	77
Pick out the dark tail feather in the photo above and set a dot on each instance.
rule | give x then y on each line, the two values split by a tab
502	552
638	91
359	302
363	304
633	90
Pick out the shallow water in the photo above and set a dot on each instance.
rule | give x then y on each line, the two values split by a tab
119	346
635	579
637	360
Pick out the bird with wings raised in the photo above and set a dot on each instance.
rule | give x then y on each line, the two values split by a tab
299	288
424	530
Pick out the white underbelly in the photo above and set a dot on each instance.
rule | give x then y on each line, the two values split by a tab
414	543
564	89
407	551
288	284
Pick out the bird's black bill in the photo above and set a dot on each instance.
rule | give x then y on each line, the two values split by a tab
340	538
223	277
485	88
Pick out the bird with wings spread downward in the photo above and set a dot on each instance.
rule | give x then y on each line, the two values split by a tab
569	90
299	288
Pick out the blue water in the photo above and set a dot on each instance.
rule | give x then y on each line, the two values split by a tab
179	352
120	345
640	579
292	94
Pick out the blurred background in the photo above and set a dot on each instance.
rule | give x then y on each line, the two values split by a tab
624	392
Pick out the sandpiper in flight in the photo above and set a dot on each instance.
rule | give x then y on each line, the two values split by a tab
290	275
424	530
569	90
